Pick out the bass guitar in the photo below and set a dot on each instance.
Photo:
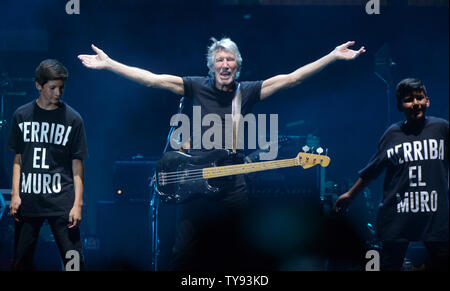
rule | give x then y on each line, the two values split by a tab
181	177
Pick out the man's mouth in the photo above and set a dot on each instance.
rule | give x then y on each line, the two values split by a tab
225	74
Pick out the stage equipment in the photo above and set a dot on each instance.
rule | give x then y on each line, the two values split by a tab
384	66
131	179
362	211
154	202
5	83
291	183
124	233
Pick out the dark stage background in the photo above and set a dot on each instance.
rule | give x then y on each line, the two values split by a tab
345	105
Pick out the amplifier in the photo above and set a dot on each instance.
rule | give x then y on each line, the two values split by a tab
294	182
124	232
286	183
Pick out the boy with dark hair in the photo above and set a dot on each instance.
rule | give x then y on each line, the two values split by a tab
415	200
50	143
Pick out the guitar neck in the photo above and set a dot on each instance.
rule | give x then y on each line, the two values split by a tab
223	171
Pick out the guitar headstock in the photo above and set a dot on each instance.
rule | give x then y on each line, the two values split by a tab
307	160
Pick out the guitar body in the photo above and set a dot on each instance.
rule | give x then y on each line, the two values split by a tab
179	175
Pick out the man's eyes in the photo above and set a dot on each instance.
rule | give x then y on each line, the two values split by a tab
229	60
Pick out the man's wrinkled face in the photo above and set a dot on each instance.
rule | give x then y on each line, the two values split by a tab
414	105
51	91
225	67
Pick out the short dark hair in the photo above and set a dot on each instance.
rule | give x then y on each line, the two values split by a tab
48	70
406	87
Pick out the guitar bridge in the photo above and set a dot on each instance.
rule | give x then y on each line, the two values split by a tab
161	180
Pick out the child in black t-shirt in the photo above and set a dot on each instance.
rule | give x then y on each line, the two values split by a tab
50	143
415	204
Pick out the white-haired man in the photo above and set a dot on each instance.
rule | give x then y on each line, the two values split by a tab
215	94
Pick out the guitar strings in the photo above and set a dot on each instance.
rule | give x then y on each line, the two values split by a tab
183	180
234	171
177	173
263	164
174	180
166	181
197	176
186	180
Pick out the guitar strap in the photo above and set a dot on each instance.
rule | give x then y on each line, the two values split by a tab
236	114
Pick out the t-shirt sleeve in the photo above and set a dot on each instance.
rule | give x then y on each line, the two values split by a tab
187	83
15	141
446	130
255	91
78	145
445	134
377	163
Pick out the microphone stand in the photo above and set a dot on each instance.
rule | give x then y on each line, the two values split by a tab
384	66
6	85
388	97
3	84
6	81
154	202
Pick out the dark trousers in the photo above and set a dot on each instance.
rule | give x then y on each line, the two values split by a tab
26	237
207	232
393	254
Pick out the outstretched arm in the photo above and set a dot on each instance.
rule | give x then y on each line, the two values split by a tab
102	61
274	84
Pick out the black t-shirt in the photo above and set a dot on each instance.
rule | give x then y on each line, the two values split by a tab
204	93
48	141
415	205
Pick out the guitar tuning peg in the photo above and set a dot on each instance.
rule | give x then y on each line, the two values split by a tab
312	149
326	152
305	148
319	150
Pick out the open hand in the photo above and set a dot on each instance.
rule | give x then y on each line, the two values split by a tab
98	61
343	52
